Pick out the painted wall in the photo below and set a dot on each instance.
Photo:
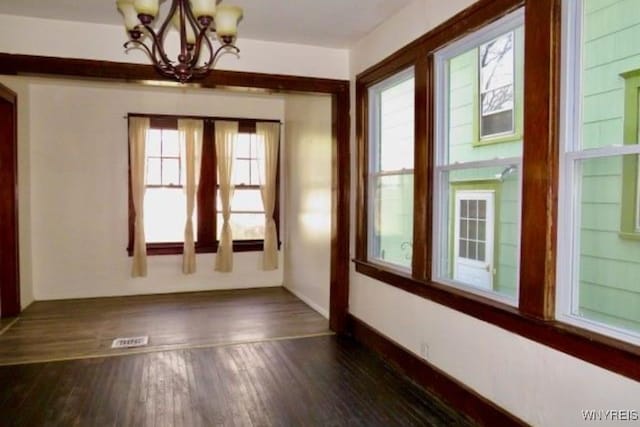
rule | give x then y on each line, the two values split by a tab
306	169
79	215
104	42
21	88
534	382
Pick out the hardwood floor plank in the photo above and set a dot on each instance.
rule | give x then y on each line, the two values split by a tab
58	330
312	381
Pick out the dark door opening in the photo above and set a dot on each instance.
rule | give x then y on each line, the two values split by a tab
9	264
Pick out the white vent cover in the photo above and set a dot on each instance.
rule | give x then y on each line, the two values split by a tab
129	342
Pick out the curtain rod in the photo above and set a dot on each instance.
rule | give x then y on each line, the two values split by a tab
213	118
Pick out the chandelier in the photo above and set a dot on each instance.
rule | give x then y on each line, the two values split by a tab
195	20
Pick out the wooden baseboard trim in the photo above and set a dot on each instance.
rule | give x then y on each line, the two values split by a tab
431	378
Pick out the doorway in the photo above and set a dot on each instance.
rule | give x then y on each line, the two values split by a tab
9	265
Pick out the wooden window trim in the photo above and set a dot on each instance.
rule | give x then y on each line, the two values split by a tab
206	197
534	316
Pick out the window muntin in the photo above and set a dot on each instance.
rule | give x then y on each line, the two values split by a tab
463	167
391	162
247	209
598	265
164	160
496	62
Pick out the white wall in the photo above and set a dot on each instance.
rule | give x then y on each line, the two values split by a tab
536	383
307	202
79	198
104	42
21	88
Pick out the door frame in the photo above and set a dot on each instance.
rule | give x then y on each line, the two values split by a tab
339	90
9	246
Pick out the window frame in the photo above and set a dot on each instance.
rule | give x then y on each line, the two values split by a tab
442	165
374	146
571	154
630	218
205	231
534	317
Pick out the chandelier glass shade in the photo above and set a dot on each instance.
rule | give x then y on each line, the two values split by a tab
198	22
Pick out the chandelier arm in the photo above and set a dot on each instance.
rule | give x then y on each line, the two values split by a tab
223	47
157	47
201	32
165	25
143	45
196	54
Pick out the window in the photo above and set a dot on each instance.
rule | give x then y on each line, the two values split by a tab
496	61
390	233
539	236
477	187
165	199
599	254
164	194
247	210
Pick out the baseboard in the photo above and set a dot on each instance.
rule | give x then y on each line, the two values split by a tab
431	378
310	303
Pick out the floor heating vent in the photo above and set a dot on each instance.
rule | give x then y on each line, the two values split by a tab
129	342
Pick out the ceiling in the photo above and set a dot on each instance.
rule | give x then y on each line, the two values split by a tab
330	23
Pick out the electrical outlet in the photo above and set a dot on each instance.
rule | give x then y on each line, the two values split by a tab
424	349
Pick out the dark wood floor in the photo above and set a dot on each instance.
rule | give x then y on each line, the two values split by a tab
59	330
309	381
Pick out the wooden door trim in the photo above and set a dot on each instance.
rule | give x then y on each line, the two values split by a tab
13	64
9	246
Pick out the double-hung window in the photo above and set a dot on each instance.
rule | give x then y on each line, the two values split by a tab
165	195
247	209
477	186
391	161
599	248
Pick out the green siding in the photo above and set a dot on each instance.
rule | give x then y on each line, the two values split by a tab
609	271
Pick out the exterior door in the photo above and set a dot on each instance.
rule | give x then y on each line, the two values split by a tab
9	272
474	238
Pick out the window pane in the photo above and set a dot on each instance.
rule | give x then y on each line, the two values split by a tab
478	232
609	265
392	219
396	127
257	174
243	200
154	175
242	147
496	73
170	172
165	215
241	172
496	123
244	226
170	144
154	141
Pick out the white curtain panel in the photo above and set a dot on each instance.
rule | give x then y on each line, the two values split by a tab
269	142
138	127
190	134
226	133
